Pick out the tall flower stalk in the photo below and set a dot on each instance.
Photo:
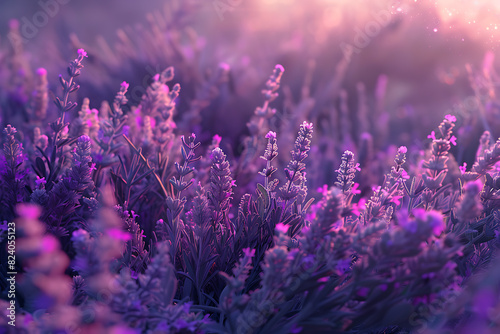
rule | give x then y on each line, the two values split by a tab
221	187
12	174
184	170
257	126
270	154
437	164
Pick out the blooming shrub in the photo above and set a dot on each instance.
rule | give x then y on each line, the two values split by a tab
127	222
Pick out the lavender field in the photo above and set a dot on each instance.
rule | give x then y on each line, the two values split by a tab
237	166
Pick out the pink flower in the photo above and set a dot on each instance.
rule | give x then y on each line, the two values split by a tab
28	211
118	234
281	228
433	218
49	244
216	140
225	67
323	190
280	68
306	125
354	189
41	72
396	199
271	135
453	140
402	149
310	215
358	207
432	135
450	118
40	182
82	53
249	252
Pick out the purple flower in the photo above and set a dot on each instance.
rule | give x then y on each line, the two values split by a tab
271	135
249	252
433	219
28	211
221	186
281	228
216	139
450	118
346	173
40	182
41	72
118	234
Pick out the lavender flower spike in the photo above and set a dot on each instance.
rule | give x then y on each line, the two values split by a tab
74	70
221	186
346	172
12	174
270	154
294	171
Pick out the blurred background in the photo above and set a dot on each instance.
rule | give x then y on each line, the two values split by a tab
392	68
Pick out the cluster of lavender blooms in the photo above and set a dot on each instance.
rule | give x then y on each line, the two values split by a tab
127	223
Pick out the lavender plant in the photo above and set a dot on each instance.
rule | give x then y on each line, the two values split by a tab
112	236
12	177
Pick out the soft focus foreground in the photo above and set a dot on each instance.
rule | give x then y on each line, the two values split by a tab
232	166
